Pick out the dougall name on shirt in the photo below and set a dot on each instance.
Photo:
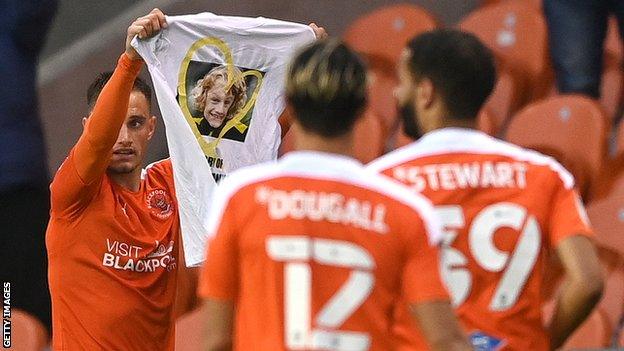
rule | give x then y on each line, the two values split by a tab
452	176
128	257
321	206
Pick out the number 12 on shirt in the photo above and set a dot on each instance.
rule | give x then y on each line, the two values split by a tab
297	252
517	265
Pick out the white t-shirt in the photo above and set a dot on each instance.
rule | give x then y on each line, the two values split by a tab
210	132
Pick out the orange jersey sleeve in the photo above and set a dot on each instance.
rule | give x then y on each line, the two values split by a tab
78	177
568	216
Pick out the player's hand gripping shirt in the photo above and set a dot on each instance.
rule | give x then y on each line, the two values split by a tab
112	252
315	251
503	210
192	62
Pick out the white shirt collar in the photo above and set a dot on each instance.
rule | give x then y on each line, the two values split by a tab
454	136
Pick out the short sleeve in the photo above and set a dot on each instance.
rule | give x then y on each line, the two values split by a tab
568	216
219	275
422	280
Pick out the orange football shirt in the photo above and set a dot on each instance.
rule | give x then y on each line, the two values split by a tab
112	252
503	210
315	252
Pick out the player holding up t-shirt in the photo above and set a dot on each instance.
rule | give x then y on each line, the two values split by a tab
313	252
504	209
113	238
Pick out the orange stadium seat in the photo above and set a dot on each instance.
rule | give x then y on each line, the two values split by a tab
612	302
505	100
613	42
384	32
369	140
606	210
573	129
189	332
381	36
516	32
620	138
612	86
28	334
613	78
488	123
381	98
536	3
288	143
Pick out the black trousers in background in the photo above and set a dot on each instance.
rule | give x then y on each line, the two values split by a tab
24	214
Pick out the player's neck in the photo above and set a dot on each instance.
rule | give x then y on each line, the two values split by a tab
458	123
342	145
130	181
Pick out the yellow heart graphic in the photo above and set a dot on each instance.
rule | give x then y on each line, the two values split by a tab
210	148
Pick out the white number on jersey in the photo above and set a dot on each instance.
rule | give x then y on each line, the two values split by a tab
481	243
297	252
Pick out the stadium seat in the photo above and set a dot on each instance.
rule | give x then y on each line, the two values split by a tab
288	143
612	302
612	86
571	128
606	210
594	333
189	332
381	98
516	32
380	36
28	334
613	42
536	3
369	142
620	139
370	139
384	32
505	100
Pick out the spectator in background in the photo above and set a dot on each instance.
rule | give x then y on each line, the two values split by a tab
577	29
24	199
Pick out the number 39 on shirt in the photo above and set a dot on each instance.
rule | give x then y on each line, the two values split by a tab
516	265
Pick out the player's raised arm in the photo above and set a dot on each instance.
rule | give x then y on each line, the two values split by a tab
582	287
103	125
89	159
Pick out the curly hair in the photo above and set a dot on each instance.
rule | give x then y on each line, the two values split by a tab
203	85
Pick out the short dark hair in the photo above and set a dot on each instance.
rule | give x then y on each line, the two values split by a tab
460	67
326	86
100	81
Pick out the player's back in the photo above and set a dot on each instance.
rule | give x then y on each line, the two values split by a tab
323	251
502	209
